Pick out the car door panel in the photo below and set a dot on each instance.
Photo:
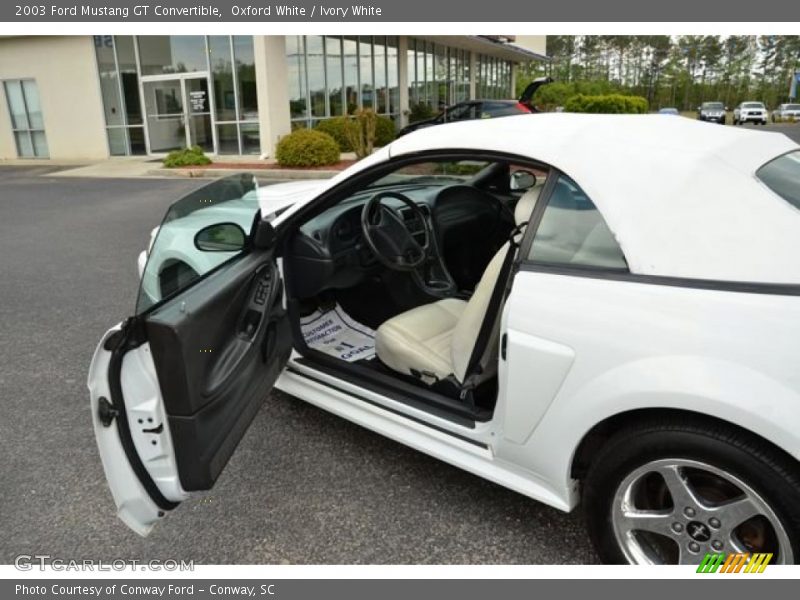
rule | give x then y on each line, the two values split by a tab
216	349
175	387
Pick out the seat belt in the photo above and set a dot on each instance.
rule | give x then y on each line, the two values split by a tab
474	369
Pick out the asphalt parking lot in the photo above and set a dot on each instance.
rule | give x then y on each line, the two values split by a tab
303	487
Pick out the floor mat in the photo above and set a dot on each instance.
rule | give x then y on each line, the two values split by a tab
335	333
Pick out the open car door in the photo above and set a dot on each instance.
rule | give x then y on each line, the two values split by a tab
175	387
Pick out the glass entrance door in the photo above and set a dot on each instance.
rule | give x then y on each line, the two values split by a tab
199	113
178	113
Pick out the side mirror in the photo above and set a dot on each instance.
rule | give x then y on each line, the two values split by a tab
220	237
522	180
265	236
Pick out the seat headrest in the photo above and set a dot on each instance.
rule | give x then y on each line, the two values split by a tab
524	208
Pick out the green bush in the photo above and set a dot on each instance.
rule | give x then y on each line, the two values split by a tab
420	111
336	127
549	96
307	148
186	157
607	104
385	131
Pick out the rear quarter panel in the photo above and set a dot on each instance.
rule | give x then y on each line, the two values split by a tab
617	346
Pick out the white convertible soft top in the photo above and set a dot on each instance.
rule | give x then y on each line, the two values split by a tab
681	196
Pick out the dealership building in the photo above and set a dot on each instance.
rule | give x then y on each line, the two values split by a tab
91	97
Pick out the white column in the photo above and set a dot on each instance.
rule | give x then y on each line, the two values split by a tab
402	77
272	90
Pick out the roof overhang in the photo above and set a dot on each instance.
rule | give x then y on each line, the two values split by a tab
486	45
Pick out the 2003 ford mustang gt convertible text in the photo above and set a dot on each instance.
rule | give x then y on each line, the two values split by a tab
595	310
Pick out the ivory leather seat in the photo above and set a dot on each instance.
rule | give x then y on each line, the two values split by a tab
436	340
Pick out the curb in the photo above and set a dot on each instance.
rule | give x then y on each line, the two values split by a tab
281	174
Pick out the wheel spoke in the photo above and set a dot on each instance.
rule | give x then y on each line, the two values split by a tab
648	520
735	544
679	487
736	512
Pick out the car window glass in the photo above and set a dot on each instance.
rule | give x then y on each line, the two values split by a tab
455	171
782	176
173	260
572	231
459	113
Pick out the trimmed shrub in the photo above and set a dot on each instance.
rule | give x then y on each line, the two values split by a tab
607	104
336	127
307	148
186	157
385	131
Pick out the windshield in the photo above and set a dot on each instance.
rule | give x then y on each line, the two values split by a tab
713	105
173	260
782	176
433	172
791	107
753	105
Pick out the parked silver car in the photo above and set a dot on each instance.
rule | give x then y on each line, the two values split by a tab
786	112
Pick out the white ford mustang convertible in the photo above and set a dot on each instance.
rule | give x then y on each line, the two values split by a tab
593	310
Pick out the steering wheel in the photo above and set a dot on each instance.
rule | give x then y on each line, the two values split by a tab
389	237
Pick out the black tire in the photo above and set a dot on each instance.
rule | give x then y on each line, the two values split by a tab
774	475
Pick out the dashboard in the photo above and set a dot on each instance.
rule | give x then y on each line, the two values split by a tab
329	251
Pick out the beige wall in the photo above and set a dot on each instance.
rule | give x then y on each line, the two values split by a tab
66	74
272	88
534	43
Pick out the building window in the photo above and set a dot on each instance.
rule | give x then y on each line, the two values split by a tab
119	85
125	63
493	77
438	75
332	75
27	123
233	76
162	54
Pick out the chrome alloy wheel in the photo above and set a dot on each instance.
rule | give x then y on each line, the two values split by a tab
674	511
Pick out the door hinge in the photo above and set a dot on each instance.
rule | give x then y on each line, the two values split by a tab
106	411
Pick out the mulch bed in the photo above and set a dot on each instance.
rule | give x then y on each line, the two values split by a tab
246	166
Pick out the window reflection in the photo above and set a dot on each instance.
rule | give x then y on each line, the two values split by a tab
295	57
350	50
333	71
219	47
315	68
331	76
379	61
246	77
227	60
119	86
365	71
161	54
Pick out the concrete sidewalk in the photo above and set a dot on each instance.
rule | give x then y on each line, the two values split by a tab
132	167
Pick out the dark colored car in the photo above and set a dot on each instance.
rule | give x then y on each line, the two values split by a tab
483	109
713	112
